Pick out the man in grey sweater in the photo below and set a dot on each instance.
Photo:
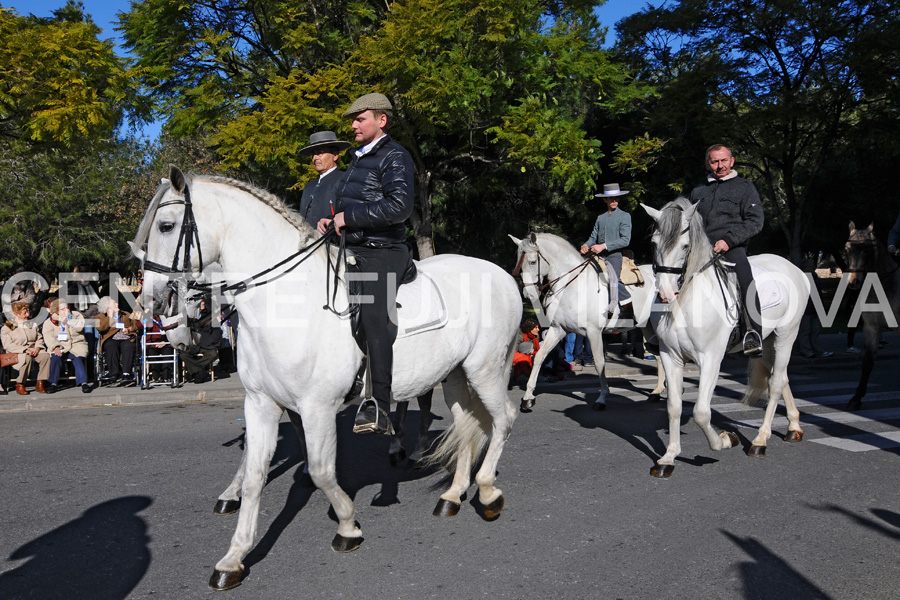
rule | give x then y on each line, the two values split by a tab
732	214
611	235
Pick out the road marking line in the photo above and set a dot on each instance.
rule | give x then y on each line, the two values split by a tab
832	418
863	442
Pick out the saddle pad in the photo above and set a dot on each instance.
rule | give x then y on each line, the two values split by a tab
767	288
422	307
630	274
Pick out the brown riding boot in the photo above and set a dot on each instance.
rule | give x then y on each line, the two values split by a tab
39	386
20	389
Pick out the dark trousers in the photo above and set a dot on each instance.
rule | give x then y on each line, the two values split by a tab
119	356
381	270
56	363
198	362
615	259
749	297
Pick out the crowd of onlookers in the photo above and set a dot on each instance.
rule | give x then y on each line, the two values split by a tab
79	326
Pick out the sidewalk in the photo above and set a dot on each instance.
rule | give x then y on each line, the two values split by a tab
227	386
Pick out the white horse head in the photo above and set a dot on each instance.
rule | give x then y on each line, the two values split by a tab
528	265
677	237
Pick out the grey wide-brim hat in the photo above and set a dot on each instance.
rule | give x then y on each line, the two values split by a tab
322	139
611	190
373	101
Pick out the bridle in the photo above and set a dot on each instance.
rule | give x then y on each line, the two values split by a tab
187	279
580	267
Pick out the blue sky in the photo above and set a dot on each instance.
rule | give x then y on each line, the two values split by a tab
104	15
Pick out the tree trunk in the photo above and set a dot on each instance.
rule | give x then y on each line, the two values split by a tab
421	217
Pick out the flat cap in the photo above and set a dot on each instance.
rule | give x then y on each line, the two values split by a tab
373	101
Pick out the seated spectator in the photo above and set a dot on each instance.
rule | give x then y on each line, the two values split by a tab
24	291
204	352
25	339
118	342
64	339
528	344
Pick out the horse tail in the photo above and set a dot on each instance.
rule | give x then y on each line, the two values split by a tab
757	392
466	433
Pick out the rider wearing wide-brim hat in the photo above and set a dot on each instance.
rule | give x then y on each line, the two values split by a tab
611	235
317	201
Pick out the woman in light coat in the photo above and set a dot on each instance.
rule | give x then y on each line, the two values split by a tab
25	339
64	338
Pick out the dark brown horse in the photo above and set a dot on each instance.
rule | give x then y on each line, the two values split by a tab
874	270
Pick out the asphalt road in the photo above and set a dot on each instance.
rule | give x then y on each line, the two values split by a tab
115	502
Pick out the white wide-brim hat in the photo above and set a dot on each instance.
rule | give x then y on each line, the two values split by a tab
611	190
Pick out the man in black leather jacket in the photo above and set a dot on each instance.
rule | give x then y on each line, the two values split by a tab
374	199
732	213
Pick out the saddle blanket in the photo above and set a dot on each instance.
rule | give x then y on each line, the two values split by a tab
767	287
421	306
630	274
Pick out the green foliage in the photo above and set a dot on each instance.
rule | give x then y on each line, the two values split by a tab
59	83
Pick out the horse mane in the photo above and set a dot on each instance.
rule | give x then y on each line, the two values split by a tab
670	228
267	198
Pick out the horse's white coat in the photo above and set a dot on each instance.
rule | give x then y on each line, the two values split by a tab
698	324
293	354
578	303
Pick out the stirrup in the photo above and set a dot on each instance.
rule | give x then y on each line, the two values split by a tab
370	418
752	343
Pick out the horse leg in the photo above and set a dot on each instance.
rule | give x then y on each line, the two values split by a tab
595	335
656	394
396	453
320	428
868	364
229	501
491	392
709	374
778	387
424	426
456	395
674	377
262	416
551	338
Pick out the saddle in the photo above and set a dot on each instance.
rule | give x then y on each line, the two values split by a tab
630	274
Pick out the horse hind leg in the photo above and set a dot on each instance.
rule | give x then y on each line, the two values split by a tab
458	445
262	418
396	453
425	402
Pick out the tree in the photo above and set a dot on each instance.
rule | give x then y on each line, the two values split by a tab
59	83
487	95
783	83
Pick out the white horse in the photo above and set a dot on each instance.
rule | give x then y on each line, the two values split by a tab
702	313
577	301
293	354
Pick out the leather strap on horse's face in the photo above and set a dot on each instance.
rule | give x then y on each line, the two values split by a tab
186	238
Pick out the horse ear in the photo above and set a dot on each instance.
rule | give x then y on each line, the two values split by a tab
177	178
689	213
871	227
852	227
515	240
654	214
533	238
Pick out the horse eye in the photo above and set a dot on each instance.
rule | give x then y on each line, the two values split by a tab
165	227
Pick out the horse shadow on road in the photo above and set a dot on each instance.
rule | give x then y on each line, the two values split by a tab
769	576
362	461
103	554
644	425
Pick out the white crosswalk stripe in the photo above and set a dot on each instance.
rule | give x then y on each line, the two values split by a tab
820	405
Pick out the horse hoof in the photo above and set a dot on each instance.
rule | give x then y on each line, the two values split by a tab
345	544
662	471
733	438
446	508
492	510
654	398
794	436
397	457
225	580
854	405
227	507
526	405
757	451
599	406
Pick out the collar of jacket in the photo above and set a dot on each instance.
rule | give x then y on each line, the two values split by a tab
711	178
378	144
